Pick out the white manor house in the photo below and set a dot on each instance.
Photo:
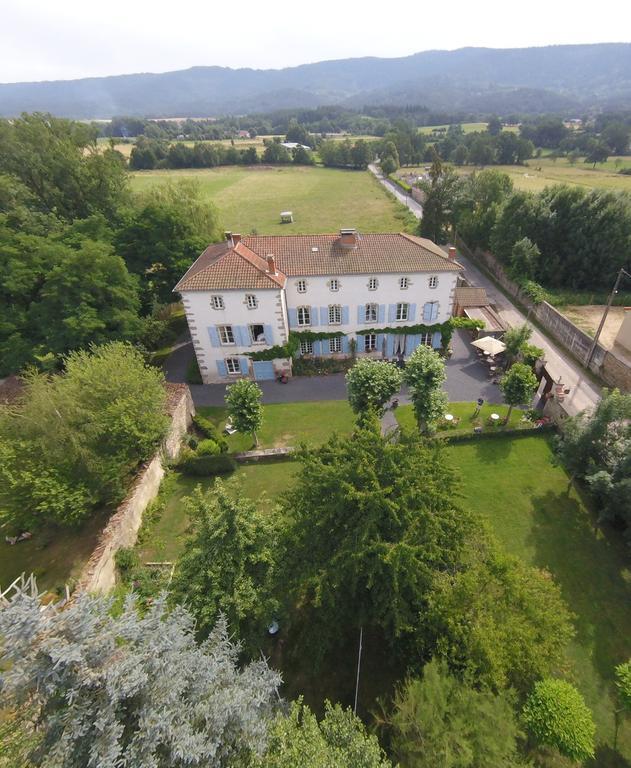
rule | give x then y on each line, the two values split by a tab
247	294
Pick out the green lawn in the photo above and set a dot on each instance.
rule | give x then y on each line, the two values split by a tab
467	421
262	482
322	199
55	556
541	519
290	423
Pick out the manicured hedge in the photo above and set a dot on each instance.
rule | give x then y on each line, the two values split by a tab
207	466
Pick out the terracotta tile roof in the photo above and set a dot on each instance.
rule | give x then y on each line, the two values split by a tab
374	253
468	296
222	267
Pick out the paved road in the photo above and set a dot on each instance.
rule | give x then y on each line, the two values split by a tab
415	207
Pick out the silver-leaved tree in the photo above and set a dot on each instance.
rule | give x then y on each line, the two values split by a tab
113	689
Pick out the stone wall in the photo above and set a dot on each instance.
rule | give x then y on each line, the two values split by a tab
614	371
99	573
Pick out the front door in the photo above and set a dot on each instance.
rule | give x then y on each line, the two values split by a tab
399	345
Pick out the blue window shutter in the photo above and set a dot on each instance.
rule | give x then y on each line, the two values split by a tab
269	335
314	316
243	362
317	346
411	344
292	314
345	342
389	345
427	312
221	368
345	315
324	315
361	313
382	313
434	310
242	335
392	313
437	340
379	343
411	311
214	336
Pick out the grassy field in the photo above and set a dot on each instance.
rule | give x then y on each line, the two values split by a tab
290	424
466	127
56	557
322	199
540	518
262	482
464	419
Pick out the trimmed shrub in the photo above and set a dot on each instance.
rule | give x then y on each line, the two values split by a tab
209	430
207	466
208	447
127	562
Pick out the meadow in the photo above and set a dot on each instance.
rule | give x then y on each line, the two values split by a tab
466	128
250	199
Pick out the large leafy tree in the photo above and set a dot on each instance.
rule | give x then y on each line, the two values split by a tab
228	564
441	199
338	740
243	401
112	688
597	448
424	375
516	339
74	439
439	721
61	292
498	621
371	383
370	522
555	715
60	164
518	386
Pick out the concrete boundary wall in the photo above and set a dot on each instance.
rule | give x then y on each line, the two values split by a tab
614	371
99	573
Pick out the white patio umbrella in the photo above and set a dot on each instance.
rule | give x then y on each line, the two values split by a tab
489	344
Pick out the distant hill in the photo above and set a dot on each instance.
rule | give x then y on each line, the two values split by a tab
555	78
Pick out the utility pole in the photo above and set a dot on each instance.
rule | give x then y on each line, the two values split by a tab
614	291
359	661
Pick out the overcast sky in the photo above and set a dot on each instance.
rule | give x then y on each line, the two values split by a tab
59	39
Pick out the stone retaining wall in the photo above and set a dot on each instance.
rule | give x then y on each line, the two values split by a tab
99	573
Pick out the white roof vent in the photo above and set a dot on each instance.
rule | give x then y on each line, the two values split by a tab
314	249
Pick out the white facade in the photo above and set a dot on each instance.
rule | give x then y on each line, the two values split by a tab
427	300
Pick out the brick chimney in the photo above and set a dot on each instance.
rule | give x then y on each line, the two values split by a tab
236	238
452	253
348	238
271	264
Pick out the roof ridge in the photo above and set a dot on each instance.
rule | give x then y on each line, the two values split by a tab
251	256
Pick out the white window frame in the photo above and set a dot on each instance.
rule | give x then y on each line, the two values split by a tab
251	301
373	283
334	285
304	311
335	314
233	362
370	342
306	347
403	311
301	286
335	345
251	330
216	302
404	283
426	339
371	313
433	281
226	331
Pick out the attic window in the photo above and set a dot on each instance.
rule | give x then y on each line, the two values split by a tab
216	302
334	285
404	283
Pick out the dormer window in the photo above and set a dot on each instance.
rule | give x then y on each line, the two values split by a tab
433	282
216	302
334	285
251	301
404	282
301	286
